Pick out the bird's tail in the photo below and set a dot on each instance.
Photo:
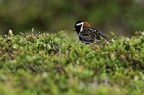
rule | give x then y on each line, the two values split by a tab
105	37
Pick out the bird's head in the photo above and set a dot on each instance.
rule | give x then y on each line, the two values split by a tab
81	25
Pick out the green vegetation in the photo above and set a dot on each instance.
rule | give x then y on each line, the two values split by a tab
52	64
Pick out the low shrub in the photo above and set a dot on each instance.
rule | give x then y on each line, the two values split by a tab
52	64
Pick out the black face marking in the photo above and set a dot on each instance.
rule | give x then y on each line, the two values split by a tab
78	26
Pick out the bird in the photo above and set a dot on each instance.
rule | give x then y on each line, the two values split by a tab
87	34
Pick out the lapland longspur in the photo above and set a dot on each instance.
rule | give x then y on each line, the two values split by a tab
87	34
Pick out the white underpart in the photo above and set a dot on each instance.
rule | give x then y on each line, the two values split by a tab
82	23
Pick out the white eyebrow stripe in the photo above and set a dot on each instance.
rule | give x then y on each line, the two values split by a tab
79	24
81	29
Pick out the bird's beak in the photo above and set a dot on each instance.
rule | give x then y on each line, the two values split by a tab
74	29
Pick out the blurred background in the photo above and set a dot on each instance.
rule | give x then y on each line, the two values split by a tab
123	17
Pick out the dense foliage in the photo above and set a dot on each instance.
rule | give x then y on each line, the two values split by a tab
52	64
121	16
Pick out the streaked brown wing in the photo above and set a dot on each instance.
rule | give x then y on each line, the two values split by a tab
98	34
87	35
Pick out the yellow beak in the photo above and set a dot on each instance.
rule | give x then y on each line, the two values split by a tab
74	29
